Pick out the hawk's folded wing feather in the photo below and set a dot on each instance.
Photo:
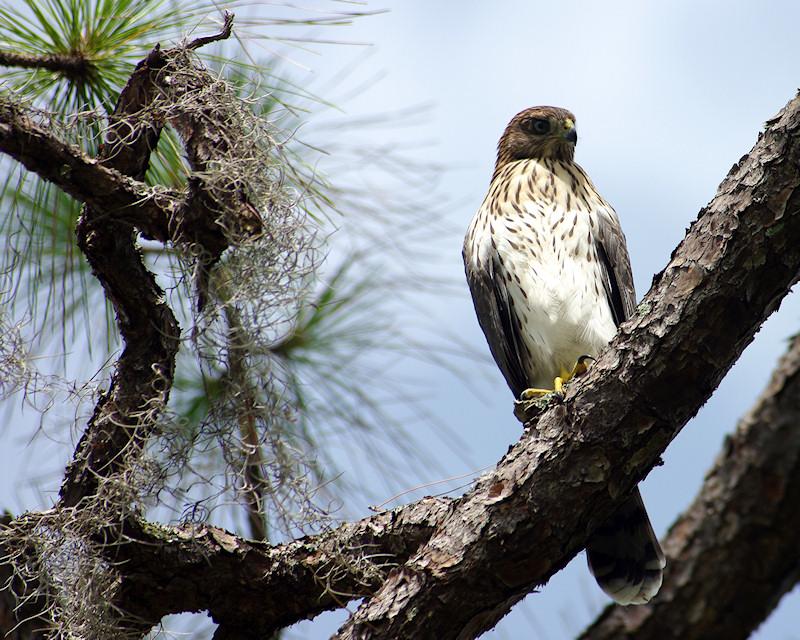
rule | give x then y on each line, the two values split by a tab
616	266
498	321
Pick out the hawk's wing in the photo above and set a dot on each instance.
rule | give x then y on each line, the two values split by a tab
616	266
498	320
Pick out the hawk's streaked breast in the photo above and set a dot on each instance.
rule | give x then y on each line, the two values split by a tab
539	222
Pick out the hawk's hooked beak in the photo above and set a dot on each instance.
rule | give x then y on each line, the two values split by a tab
570	132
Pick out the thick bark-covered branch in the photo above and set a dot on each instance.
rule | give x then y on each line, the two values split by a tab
253	589
127	414
733	554
97	184
576	462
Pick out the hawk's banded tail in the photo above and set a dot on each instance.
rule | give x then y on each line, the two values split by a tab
624	554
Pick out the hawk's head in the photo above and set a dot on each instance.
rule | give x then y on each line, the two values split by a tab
538	133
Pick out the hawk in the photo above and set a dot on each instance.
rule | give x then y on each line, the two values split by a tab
550	278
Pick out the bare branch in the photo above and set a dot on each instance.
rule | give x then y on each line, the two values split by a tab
224	34
127	415
253	589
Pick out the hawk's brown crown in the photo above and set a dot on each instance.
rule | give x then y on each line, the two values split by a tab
538	133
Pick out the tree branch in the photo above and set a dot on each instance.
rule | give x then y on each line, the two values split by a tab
224	34
582	456
85	179
72	65
126	416
127	413
210	215
733	553
253	589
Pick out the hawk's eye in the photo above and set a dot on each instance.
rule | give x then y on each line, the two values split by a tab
539	126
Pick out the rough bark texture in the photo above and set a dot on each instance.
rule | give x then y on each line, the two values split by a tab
575	463
126	415
99	185
733	554
252	588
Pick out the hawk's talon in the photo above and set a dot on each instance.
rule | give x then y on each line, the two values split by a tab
534	394
582	365
533	400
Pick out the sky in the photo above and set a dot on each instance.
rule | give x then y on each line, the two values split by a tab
668	95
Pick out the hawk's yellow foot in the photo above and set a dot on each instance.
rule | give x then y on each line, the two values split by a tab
581	367
534	393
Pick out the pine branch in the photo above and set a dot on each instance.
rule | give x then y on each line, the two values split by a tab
71	65
253	589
